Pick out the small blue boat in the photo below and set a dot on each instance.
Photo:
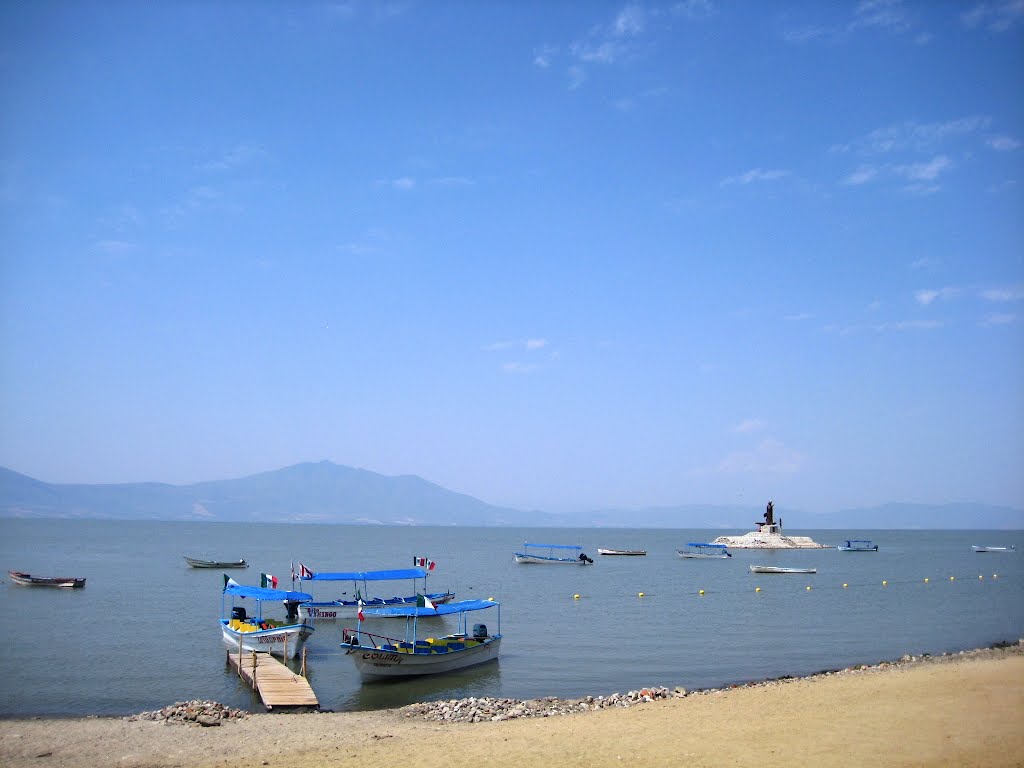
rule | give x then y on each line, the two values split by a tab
555	554
701	551
857	545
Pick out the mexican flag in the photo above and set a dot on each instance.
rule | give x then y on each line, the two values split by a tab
267	581
424	562
360	612
422	601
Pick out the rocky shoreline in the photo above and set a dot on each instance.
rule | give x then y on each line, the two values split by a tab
475	710
487	709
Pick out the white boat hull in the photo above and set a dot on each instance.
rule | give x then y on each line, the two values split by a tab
775	569
994	549
521	558
284	641
378	664
699	556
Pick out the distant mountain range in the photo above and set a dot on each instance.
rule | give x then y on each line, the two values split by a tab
325	492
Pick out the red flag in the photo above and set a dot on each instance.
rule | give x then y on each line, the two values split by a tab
360	613
430	565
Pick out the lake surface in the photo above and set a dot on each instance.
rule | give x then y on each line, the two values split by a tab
144	631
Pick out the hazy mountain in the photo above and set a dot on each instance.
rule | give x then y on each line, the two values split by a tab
321	492
328	493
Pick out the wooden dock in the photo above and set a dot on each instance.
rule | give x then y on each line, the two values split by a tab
277	685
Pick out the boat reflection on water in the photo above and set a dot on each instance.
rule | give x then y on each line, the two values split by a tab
481	680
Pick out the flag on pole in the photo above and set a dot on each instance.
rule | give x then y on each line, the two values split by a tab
293	570
422	601
229	582
424	562
268	581
304	572
360	612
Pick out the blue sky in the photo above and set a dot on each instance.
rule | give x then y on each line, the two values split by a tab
553	255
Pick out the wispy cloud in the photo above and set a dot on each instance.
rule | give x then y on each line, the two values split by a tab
1011	293
115	247
908	325
748	425
1003	143
998	318
693	9
995	17
912	136
927	296
242	154
753	175
862	175
928	171
889	15
768	457
527	345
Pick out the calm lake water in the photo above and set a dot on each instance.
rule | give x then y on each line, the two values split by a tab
144	632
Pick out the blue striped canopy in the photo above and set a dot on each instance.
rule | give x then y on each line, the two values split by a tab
395	575
698	544
262	593
441	610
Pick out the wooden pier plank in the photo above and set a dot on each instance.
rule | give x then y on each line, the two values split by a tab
277	685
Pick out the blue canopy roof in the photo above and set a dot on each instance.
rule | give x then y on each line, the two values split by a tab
698	544
555	546
441	610
395	575
261	593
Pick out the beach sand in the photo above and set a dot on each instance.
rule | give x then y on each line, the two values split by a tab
957	710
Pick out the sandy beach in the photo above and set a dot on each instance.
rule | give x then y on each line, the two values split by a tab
957	710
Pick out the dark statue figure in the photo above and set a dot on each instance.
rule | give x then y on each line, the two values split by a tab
769	515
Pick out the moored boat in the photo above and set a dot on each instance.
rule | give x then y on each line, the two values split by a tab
777	569
197	563
378	657
857	545
702	551
625	552
532	554
242	632
28	580
347	606
1011	548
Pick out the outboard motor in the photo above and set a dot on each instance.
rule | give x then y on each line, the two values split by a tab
291	609
479	631
238	612
584	558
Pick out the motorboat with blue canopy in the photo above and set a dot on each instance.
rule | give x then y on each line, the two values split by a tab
552	553
857	545
701	551
245	631
347	604
379	657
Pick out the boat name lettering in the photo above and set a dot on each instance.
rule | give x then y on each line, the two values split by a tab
325	614
391	658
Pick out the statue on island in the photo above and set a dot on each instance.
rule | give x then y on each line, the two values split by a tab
769	515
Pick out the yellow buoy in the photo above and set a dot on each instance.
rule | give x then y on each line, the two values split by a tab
757	589
702	591
952	578
926	580
885	583
845	585
575	597
808	587
980	576
995	575
640	594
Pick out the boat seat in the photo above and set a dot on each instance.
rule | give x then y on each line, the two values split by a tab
457	646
